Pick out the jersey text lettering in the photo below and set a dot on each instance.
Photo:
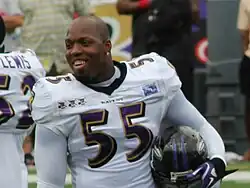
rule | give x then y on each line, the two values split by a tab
14	62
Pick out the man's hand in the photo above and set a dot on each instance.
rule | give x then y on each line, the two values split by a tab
12	22
209	172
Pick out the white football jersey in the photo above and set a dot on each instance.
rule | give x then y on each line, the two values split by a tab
18	73
109	134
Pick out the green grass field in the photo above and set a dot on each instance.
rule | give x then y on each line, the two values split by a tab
234	185
224	185
244	167
32	185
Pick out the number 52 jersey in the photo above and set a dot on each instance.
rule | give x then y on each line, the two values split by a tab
109	130
18	73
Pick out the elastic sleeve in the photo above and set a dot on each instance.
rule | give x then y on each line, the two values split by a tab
171	81
42	104
50	158
182	112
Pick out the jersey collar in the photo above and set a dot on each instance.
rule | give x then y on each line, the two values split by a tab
117	82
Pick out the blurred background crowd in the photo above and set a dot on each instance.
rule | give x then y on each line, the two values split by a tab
215	78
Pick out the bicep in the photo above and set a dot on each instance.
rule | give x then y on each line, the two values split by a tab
182	112
244	35
50	158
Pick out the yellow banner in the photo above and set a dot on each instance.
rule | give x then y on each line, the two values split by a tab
120	27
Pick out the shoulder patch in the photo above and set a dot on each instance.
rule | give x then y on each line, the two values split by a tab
150	89
58	79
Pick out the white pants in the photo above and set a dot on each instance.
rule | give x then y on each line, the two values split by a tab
13	171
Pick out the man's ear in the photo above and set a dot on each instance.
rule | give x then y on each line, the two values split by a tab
108	46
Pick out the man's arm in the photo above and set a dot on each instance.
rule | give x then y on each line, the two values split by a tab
245	39
243	25
50	141
182	112
50	158
14	18
130	7
12	22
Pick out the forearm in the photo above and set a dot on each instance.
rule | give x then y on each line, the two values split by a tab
12	22
127	6
182	112
245	39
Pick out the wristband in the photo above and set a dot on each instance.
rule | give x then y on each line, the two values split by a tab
144	4
219	166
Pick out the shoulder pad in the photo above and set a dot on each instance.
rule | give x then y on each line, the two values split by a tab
58	79
148	59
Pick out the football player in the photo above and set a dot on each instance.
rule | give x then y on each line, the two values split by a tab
101	120
18	73
180	159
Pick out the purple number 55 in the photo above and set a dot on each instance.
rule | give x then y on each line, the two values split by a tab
107	144
6	109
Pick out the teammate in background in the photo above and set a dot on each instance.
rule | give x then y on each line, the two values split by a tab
2	34
18	73
102	119
244	78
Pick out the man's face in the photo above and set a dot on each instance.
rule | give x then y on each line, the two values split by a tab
85	51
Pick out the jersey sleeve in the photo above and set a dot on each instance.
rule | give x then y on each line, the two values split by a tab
34	61
50	137
42	106
171	80
50	149
44	109
182	112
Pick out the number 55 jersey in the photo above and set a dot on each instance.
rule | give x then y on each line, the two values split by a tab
18	73
109	131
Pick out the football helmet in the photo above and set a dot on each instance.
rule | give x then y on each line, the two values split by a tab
178	152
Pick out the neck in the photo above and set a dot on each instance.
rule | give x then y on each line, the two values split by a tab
111	80
109	72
